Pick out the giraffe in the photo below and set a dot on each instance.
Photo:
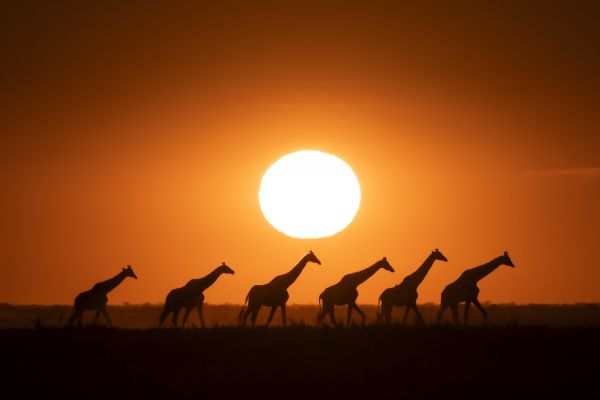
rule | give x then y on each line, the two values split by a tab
465	289
405	294
191	296
96	298
274	294
344	292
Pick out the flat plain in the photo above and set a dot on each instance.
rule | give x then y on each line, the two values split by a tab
515	354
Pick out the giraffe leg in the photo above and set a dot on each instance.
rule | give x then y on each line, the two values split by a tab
440	313
406	310
77	316
163	316
379	315
478	305
331	314
418	313
185	316
273	309
467	308
105	313
247	313
349	315
254	315
324	309
386	311
360	312
454	309
283	319
175	316
73	318
96	316
320	315
201	315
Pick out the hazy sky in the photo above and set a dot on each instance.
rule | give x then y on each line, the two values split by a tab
137	133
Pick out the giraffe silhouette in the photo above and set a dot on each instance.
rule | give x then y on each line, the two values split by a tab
96	298
405	293
274	294
191	296
345	293
465	289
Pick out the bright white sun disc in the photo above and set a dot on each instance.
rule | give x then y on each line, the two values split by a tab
309	194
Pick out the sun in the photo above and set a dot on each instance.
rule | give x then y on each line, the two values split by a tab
309	194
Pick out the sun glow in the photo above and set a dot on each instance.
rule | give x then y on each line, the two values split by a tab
309	194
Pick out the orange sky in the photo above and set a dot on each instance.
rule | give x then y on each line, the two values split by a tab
139	135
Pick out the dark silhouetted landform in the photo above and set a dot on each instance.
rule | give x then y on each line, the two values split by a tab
191	296
300	361
144	316
274	294
345	292
405	294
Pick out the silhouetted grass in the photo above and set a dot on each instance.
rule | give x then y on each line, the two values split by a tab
301	361
146	316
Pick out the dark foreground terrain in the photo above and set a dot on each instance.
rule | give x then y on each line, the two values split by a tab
302	361
147	315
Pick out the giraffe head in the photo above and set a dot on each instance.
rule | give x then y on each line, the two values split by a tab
311	257
129	272
225	269
437	255
385	264
506	260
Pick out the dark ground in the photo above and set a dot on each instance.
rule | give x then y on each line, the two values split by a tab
302	361
145	316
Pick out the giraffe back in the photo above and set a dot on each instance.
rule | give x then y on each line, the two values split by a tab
267	295
459	291
90	300
400	295
339	294
184	297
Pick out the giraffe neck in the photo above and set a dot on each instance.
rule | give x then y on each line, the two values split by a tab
202	284
417	277
290	277
484	270
359	277
108	285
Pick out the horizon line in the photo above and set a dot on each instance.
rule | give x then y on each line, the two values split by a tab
148	304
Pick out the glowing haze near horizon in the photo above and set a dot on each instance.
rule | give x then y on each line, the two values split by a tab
138	133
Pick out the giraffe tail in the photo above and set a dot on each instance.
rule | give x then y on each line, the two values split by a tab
379	316
241	314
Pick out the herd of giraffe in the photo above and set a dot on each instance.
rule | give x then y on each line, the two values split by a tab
274	294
